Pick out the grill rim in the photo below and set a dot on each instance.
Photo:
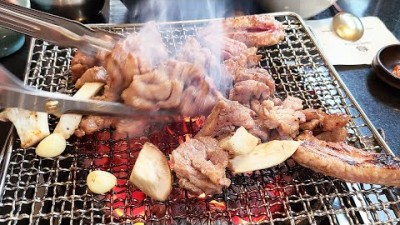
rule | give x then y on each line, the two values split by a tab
7	148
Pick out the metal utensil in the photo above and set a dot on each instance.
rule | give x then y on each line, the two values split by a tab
346	25
80	10
54	29
14	94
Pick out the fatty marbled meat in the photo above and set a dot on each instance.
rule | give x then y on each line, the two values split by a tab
348	163
174	85
200	165
327	127
252	30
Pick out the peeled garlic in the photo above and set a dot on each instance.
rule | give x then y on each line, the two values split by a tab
51	146
100	182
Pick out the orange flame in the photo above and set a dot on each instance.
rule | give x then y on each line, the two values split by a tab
202	196
218	205
119	212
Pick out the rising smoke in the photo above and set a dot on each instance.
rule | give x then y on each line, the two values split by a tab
177	10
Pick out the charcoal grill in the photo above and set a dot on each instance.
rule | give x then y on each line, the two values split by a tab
38	190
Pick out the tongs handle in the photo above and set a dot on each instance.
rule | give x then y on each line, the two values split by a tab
72	25
55	29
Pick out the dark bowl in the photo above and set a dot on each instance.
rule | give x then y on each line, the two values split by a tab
383	63
80	10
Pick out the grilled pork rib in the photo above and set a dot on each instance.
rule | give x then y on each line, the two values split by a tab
347	163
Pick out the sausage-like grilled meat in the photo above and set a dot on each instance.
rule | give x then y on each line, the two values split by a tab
347	163
254	30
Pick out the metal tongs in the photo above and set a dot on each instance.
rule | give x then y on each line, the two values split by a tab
14	94
56	30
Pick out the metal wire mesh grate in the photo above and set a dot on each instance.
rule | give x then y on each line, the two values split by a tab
53	191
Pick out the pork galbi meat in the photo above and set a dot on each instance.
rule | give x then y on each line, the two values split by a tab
225	116
248	90
123	127
139	53
254	30
203	59
346	162
255	74
200	166
174	85
327	127
94	74
285	117
80	63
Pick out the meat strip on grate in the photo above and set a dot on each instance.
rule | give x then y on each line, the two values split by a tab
254	30
200	166
346	162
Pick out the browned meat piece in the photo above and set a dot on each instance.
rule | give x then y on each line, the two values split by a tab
332	122
203	59
328	127
313	124
94	74
348	163
91	124
234	52
137	54
284	117
247	59
254	30
200	166
213	38
123	127
337	135
149	90
225	116
173	85
129	128
194	53
256	74
80	63
327	122
248	90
